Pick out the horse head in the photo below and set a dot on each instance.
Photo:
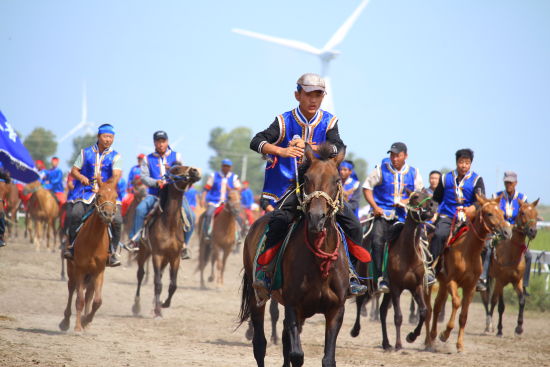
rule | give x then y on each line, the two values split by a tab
422	205
323	192
526	220
492	217
105	200
183	176
233	202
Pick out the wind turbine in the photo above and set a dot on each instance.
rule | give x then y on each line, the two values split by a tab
325	54
84	124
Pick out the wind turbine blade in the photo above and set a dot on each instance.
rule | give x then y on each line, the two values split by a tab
298	45
328	101
84	116
176	142
79	126
341	33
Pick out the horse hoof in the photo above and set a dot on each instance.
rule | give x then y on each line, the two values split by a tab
165	304
297	359
499	334
136	309
355	332
210	278
519	330
386	346
398	347
410	337
443	337
64	325
78	329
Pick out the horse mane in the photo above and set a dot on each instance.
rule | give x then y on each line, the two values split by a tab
5	175
163	196
395	231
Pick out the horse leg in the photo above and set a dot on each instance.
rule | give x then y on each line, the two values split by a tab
453	288
501	308
136	308
397	316
274	312
96	288
383	313
259	343
292	346
222	263
89	296
485	295
521	297
332	328
497	291
62	250
375	306
413	317
428	302
418	297
174	266
66	322
158	268
439	301
359	302
213	261
467	295
79	301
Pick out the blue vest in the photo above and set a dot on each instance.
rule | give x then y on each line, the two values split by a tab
215	194
392	188
54	180
156	166
134	171
247	198
191	196
457	195
510	205
352	184
92	160
121	188
280	174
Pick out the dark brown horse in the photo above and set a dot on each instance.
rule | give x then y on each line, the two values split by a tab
461	267
508	266
164	236
314	265
87	269
224	238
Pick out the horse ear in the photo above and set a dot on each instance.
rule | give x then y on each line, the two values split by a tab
535	203
340	156
481	198
308	153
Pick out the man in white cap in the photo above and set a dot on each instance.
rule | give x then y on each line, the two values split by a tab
509	203
283	142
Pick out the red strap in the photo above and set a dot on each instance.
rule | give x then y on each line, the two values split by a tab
326	258
457	236
358	251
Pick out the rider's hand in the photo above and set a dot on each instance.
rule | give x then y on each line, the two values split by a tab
85	181
378	211
269	208
470	211
292	151
300	143
161	183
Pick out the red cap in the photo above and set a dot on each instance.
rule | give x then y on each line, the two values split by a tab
141	156
55	159
38	163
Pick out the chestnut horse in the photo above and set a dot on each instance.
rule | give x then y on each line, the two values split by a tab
91	248
224	238
43	211
461	267
508	266
313	283
164	235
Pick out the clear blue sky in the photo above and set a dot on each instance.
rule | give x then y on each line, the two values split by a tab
438	75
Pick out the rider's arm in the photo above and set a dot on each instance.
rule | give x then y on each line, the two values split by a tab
145	175
265	142
333	137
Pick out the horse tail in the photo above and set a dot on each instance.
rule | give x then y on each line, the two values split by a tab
247	292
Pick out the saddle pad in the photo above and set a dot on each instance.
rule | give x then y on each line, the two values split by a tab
460	232
218	210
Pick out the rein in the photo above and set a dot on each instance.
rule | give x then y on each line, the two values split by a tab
335	204
327	258
472	227
174	179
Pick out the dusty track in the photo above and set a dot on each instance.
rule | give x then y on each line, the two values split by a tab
198	329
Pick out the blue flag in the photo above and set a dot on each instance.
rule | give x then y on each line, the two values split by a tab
14	157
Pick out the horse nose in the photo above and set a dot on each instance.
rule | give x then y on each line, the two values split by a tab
316	221
531	233
507	232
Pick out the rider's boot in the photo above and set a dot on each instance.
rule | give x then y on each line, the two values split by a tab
2	242
355	287
185	253
114	258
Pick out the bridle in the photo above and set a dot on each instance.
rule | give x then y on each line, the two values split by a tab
101	208
418	210
482	221
174	179
335	204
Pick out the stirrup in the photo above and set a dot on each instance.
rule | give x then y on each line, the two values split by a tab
113	260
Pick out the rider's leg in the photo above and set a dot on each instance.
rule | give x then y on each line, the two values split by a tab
352	227
527	274
2	228
77	213
210	209
486	257
379	235
142	209
116	228
439	240
187	234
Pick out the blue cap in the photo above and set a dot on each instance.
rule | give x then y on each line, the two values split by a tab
106	129
227	162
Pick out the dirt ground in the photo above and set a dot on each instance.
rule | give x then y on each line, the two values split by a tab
198	330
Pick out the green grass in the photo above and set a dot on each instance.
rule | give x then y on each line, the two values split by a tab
542	241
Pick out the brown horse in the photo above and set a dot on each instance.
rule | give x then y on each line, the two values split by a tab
508	266
87	268
461	267
314	265
224	232
43	211
12	205
164	238
140	192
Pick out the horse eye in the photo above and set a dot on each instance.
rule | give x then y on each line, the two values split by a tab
489	214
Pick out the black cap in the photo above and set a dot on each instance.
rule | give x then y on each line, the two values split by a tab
160	135
398	148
